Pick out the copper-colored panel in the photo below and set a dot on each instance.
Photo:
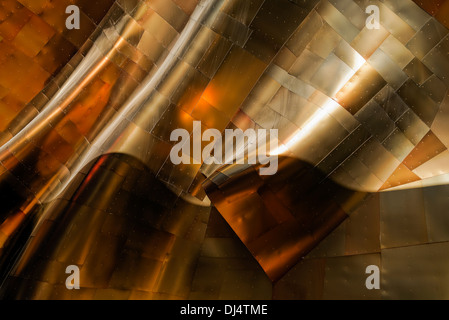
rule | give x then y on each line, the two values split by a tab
327	85
366	239
426	264
345	278
429	147
306	65
396	51
220	94
437	8
136	241
408	11
305	230
412	126
417	71
352	11
325	41
214	56
435	88
231	29
400	28
332	246
304	34
209	116
431	6
344	150
305	281
364	116
398	144
242	11
409	224
437	60
402	175
189	93
442	14
284	16
387	68
436	219
367	42
419	102
428	37
170	12
435	167
337	21
360	89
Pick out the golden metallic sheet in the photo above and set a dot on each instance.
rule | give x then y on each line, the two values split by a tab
398	144
427	38
439	52
305	228
418	100
410	215
226	270
412	126
124	242
337	21
440	120
355	94
398	27
429	147
343	151
427	269
367	41
435	88
327	85
352	11
306	65
304	282
417	71
340	275
429	168
348	55
362	240
382	168
231	29
409	12
435	217
219	93
396	51
364	116
361	173
331	246
41	46
325	41
388	69
304	34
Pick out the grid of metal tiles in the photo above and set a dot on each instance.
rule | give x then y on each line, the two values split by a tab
35	45
130	236
402	232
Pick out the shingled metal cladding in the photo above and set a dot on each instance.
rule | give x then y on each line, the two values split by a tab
86	178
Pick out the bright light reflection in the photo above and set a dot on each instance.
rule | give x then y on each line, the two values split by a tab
320	115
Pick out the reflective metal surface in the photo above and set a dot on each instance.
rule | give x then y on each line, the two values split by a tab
86	178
